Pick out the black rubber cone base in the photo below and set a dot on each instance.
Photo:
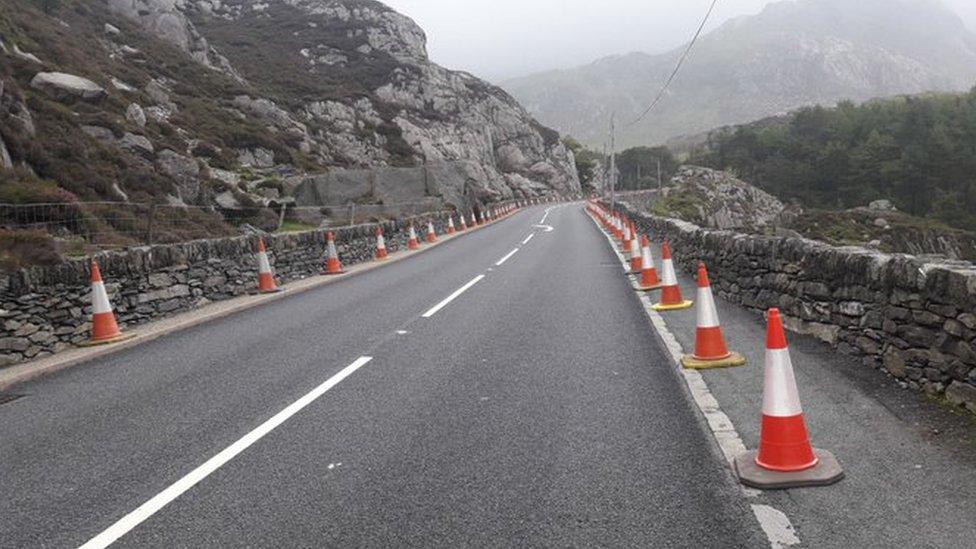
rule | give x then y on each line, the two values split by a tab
825	473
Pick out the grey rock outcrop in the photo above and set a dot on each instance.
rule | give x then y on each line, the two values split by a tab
413	113
66	86
184	170
723	201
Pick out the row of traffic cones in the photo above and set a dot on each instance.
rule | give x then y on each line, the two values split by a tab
785	458
105	328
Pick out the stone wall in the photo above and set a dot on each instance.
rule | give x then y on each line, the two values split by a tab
914	317
44	310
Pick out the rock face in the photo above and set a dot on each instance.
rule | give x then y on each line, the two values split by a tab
61	85
364	96
792	54
721	201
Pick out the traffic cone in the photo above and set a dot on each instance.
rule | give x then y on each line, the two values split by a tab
785	458
412	242
266	279
464	226
625	240
671	299
450	225
431	235
332	264
105	329
649	280
635	255
381	253
710	349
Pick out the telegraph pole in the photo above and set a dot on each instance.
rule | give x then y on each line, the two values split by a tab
613	163
659	185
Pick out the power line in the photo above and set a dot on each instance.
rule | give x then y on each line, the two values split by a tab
677	67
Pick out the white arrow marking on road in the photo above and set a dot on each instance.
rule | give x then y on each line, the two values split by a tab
527	239
148	509
547	228
506	258
433	310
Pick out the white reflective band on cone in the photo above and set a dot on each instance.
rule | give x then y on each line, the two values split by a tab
646	261
430	227
634	247
780	397
380	242
707	316
413	234
100	302
332	249
263	265
670	279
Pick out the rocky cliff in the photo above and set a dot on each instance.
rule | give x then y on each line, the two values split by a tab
238	102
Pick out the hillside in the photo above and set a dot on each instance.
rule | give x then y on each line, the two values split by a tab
916	151
793	54
252	103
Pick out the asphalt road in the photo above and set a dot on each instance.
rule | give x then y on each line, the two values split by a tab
535	409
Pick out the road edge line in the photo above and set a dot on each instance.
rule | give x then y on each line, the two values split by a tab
774	523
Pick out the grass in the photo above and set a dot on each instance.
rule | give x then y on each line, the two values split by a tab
292	226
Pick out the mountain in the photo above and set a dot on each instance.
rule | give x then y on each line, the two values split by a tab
792	54
238	102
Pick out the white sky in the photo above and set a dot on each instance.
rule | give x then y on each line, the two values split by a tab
498	39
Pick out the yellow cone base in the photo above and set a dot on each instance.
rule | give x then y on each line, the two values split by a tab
731	361
660	307
826	472
109	341
275	291
651	288
327	273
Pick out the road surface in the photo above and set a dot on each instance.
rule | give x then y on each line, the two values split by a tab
535	408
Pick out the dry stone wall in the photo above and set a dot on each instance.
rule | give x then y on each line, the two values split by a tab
912	316
44	310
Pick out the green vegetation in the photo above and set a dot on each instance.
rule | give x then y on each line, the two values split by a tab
681	205
587	161
638	167
919	152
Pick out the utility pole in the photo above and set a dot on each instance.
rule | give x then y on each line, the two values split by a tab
659	185
637	181
613	163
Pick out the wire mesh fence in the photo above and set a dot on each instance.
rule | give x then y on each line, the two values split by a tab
106	225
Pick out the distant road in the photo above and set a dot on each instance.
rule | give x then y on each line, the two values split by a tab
503	389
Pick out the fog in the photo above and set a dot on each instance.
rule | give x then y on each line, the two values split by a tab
501	39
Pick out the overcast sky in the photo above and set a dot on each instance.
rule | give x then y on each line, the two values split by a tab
498	39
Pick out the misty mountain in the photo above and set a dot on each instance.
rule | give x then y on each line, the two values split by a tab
794	53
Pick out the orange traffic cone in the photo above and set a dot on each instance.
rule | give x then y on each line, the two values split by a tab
710	349
785	458
464	226
412	243
431	235
649	280
105	329
332	264
381	245
626	239
635	255
671	299
450	225
266	279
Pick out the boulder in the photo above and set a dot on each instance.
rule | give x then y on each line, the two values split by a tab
137	144
136	115
183	170
67	86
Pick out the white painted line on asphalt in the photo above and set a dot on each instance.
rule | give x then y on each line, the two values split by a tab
527	239
774	523
543	220
501	261
777	526
433	310
148	509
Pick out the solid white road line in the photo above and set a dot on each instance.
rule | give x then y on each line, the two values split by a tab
148	509
527	239
433	310
506	258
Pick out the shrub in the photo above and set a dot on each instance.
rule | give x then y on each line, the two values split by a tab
28	247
